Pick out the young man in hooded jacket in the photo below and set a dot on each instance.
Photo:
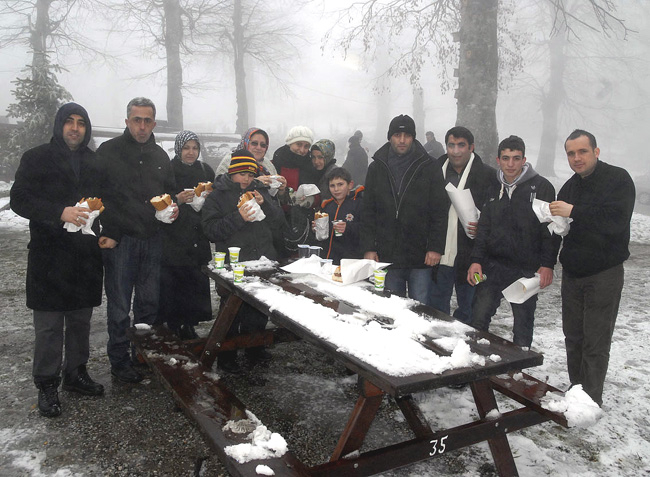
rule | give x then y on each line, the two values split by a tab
64	269
511	243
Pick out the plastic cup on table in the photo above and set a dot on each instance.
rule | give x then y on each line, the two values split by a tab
303	251
219	259
238	273
380	279
234	254
314	250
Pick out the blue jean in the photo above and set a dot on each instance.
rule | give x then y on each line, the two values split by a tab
441	291
417	280
487	299
133	264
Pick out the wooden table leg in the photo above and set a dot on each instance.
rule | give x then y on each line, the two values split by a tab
364	412
219	330
499	445
414	417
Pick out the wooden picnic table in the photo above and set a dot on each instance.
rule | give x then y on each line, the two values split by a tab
192	389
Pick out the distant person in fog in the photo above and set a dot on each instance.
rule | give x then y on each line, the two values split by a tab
433	147
356	162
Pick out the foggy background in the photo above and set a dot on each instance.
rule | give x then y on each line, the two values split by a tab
335	91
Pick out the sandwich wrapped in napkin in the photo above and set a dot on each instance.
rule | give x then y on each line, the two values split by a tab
248	198
522	289
163	206
556	224
322	225
96	207
201	191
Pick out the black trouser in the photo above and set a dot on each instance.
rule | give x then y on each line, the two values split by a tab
589	310
49	342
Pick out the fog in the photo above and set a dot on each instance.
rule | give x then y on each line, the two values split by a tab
334	95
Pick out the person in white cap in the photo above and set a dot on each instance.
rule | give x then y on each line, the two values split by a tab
292	160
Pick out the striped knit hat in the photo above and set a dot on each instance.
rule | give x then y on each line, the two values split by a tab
243	161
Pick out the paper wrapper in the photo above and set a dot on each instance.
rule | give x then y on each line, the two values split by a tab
322	228
165	215
274	186
255	207
464	206
86	229
304	196
351	270
557	225
197	202
522	289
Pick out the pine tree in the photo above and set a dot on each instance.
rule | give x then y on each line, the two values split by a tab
38	97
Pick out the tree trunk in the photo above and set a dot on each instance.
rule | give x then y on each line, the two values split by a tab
478	70
418	112
39	33
240	71
551	102
173	39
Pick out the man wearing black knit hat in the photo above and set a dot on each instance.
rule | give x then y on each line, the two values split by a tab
405	209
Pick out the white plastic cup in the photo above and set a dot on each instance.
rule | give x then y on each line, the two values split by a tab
219	259
314	250
238	273
380	279
303	251
191	198
234	254
336	232
326	266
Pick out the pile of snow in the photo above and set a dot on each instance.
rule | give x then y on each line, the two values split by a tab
640	229
264	443
576	405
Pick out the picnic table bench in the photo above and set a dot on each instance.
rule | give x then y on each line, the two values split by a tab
185	368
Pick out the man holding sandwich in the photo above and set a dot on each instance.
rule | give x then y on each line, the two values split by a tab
64	268
134	169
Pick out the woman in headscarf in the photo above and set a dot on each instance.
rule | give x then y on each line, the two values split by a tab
184	289
322	158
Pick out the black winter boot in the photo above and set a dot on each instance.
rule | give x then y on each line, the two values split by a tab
83	384
48	398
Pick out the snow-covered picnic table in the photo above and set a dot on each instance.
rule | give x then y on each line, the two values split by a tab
396	347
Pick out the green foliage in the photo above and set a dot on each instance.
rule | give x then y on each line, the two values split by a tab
38	97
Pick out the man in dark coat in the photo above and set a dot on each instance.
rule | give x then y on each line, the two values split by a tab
599	198
511	243
464	169
133	169
356	162
64	269
404	213
433	147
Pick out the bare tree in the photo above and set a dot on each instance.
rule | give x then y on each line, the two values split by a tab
170	30
424	32
250	29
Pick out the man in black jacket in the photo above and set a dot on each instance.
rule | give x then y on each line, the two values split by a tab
464	169
134	169
64	269
511	243
600	199
405	208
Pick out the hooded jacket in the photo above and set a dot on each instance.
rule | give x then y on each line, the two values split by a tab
131	174
509	232
64	269
402	228
347	245
600	232
224	225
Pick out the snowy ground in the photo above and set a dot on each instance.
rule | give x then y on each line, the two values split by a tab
134	430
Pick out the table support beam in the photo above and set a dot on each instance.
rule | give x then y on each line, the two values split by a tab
220	330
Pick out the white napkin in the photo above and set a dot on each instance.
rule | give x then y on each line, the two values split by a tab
165	215
86	229
464	206
322	228
197	202
304	196
522	289
274	185
557	225
255	207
